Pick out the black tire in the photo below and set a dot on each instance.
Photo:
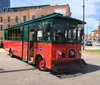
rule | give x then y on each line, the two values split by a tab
11	53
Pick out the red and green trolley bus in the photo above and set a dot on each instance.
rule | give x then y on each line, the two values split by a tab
51	42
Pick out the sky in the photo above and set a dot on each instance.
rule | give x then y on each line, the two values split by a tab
92	9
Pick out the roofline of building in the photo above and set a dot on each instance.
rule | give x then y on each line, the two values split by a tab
48	5
59	5
27	6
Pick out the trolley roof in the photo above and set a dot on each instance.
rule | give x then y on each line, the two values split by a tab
53	15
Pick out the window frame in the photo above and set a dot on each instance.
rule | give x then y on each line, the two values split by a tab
9	18
16	19
1	27
24	18
1	19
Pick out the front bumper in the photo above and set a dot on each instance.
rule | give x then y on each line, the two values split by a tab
69	66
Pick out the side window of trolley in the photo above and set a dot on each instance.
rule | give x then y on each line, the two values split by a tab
14	34
17	34
32	32
39	32
46	30
10	32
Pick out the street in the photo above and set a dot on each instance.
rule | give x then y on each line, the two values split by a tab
15	72
93	47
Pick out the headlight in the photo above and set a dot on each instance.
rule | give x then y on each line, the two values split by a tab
71	53
60	53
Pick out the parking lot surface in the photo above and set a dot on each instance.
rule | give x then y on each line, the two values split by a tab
15	72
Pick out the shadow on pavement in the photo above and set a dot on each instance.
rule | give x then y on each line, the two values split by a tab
8	71
91	68
88	69
1	69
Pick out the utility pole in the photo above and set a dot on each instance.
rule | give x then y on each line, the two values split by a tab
83	24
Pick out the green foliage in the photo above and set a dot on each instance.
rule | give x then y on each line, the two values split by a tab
94	50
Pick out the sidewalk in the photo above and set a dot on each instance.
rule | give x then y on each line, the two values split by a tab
2	50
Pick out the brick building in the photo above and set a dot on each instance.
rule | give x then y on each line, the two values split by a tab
11	16
95	34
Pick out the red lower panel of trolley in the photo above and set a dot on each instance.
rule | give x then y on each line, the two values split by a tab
16	48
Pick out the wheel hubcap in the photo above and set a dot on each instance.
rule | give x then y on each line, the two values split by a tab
41	63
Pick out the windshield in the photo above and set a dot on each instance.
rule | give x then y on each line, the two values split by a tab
67	33
59	33
72	34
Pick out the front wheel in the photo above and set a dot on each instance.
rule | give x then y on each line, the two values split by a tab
40	63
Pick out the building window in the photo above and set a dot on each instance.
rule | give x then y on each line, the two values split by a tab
33	17
16	18
1	19
8	25
9	19
1	27
24	18
42	15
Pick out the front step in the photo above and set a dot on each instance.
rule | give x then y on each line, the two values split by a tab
30	60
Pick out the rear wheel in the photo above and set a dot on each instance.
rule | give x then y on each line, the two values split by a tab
40	63
10	53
